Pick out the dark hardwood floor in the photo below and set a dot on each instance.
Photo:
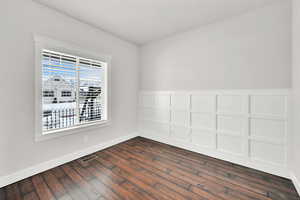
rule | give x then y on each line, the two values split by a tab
143	169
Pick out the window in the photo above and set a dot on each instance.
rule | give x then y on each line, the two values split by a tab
72	89
77	89
66	93
47	93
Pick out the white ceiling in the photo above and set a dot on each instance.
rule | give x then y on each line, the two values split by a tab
141	21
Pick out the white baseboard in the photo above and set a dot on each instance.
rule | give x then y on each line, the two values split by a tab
296	182
22	174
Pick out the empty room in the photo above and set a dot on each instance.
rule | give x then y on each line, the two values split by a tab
150	100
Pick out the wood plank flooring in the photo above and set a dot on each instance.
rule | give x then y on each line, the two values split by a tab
142	169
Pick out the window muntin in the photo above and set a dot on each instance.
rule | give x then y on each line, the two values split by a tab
78	86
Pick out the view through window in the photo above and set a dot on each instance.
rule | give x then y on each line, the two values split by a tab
73	90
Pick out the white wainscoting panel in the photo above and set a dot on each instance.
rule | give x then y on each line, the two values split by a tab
203	121
203	103
180	133
180	118
180	102
268	128
267	152
232	104
203	138
230	144
235	125
274	105
247	127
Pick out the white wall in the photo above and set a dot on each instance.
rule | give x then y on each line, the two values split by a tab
295	158
19	20
249	51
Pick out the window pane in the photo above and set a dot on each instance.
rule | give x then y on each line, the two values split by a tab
59	91
72	91
91	90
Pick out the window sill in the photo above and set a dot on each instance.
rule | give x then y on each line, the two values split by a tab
72	130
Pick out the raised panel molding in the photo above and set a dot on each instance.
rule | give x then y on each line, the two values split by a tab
163	101
273	105
180	133
205	139
232	104
180	118
158	115
203	121
230	144
273	129
180	102
267	152
147	100
203	103
247	127
231	124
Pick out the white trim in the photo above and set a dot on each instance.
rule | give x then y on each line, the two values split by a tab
72	130
296	182
283	91
42	42
30	171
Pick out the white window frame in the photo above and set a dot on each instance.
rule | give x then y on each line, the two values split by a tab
41	43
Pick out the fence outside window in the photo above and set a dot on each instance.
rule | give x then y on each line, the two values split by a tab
65	118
